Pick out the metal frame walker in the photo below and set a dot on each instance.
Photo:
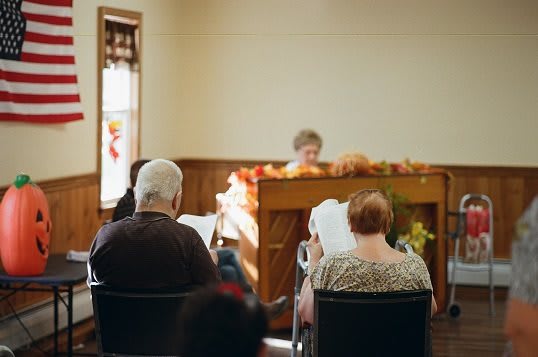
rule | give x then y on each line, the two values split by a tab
300	273
454	309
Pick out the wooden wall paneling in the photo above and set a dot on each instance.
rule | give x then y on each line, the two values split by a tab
531	190
495	192
200	185
512	205
75	217
192	181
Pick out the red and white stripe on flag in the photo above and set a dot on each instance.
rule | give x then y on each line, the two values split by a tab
38	81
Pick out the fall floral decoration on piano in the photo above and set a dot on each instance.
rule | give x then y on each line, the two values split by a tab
243	189
270	172
357	164
243	182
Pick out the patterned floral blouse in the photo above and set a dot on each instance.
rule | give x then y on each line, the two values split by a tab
343	271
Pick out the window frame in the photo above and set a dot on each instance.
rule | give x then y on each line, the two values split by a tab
133	18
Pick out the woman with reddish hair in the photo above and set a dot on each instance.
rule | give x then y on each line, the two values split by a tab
373	266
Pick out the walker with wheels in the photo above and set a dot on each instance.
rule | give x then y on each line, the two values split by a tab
475	224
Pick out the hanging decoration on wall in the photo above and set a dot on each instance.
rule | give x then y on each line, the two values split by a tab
38	81
25	228
114	129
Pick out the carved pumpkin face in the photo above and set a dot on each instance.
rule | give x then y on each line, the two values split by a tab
25	228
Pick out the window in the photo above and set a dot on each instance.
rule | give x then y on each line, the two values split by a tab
118	100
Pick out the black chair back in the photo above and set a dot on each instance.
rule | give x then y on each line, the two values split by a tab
136	322
372	324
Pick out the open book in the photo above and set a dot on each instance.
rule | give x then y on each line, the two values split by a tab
329	220
204	225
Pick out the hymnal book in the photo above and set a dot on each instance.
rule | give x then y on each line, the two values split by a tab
329	220
204	225
77	256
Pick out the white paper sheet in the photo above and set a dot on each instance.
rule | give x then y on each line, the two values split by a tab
329	220
204	225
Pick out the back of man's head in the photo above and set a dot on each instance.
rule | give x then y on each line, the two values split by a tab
158	181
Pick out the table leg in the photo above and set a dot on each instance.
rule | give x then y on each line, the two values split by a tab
55	289
70	322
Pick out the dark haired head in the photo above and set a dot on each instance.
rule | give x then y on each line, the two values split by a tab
222	321
135	167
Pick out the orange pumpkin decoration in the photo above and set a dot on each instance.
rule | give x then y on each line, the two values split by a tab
24	228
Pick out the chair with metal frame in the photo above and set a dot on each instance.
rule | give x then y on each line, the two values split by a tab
6	352
137	322
372	324
301	269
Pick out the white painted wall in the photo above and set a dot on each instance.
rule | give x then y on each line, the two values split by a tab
451	82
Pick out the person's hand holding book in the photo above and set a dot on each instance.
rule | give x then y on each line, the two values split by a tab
329	226
316	251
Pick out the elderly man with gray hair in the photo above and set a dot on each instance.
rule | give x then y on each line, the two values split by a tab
150	249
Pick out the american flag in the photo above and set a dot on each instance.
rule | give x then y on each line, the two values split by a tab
38	82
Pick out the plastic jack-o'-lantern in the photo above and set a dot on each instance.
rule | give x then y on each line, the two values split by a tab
24	228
